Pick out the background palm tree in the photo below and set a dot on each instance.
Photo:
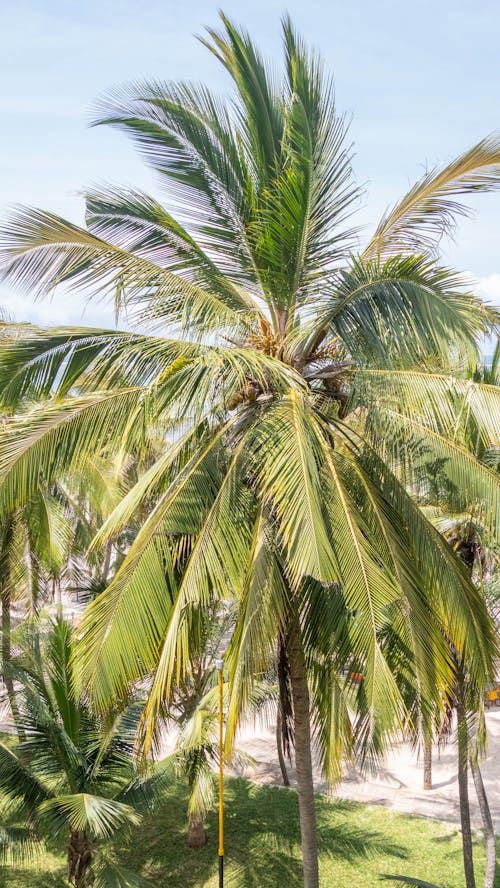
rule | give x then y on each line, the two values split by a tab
301	379
72	775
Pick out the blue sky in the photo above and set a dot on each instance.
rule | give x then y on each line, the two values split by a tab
421	81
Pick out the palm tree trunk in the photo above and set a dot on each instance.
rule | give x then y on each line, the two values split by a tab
80	855
303	759
427	760
7	654
279	746
197	835
463	791
8	532
489	832
107	561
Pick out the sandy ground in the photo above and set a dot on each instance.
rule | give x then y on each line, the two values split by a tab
398	784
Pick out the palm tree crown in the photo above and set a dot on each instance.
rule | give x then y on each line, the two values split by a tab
304	381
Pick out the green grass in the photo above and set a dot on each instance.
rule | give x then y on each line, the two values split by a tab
357	844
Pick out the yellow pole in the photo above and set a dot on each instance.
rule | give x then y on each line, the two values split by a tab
219	664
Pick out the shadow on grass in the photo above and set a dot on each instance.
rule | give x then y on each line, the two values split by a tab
22	878
262	840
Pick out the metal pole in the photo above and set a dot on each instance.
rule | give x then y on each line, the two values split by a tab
219	664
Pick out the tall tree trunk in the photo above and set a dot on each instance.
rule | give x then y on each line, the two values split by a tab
303	759
80	855
463	790
197	835
279	746
8	532
107	561
489	832
427	760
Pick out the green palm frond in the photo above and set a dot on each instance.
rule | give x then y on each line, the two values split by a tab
451	595
409	444
43	363
58	436
125	607
448	404
186	134
122	630
263	605
18	845
134	221
316	136
108	873
402	309
429	209
286	452
369	591
87	813
17	781
261	115
331	720
41	251
213	571
148	483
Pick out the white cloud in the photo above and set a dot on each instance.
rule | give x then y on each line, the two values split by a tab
489	288
64	309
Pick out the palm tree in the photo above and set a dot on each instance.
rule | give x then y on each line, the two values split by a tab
35	543
469	538
72	775
195	712
300	377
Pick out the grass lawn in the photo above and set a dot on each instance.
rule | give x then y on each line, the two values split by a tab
357	844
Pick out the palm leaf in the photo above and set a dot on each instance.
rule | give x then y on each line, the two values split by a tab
124	609
285	451
39	250
401	310
448	404
109	874
18	846
86	813
18	782
409	444
58	436
429	209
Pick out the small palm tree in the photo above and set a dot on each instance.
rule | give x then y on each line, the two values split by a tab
301	377
72	775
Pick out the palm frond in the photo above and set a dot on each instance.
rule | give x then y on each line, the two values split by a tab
448	404
86	813
40	363
109	874
409	444
261	116
213	571
40	250
17	781
124	609
451	596
262	609
58	436
186	134
137	223
403	309
19	845
430	208
286	452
